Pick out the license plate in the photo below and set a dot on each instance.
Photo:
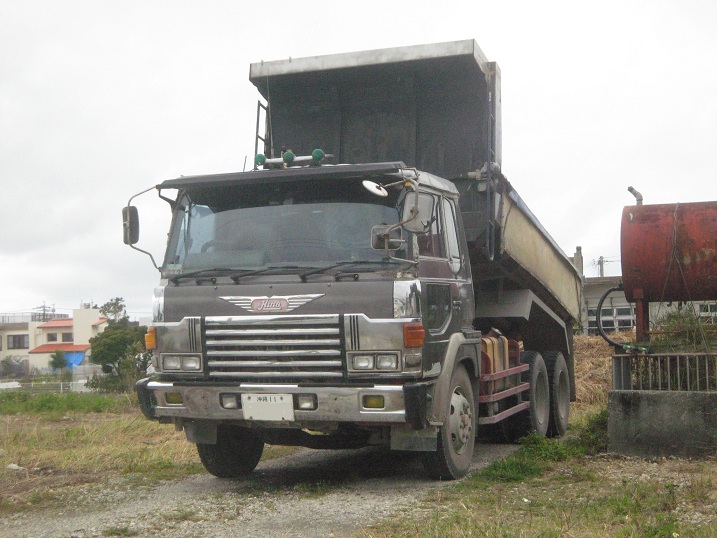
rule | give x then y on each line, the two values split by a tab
275	407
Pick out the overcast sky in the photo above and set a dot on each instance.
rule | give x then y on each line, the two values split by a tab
102	99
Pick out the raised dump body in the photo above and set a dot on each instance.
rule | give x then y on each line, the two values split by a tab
435	107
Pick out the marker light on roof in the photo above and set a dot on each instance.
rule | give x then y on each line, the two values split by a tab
288	157
318	155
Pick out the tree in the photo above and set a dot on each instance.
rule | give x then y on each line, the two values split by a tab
58	361
114	309
120	350
10	367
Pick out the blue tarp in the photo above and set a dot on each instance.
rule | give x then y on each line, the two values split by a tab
74	358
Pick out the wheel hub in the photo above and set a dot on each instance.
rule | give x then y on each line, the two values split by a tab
460	421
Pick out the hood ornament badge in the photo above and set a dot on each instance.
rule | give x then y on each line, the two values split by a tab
275	303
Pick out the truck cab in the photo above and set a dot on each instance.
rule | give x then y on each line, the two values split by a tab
309	305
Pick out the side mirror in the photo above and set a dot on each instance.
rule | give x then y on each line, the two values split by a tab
386	236
130	225
417	213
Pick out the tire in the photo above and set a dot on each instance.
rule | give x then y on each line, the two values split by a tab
456	438
236	453
559	383
536	418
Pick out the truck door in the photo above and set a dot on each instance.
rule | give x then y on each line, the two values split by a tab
442	271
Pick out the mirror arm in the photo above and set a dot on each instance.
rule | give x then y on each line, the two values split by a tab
172	203
129	204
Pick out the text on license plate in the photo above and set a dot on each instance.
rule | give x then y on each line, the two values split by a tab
277	407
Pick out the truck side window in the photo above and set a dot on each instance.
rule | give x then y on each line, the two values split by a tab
430	244
454	253
438	306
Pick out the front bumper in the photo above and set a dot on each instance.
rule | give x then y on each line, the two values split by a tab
202	401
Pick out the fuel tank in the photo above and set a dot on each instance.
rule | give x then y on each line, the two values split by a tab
669	252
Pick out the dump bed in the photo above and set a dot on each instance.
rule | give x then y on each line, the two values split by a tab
435	107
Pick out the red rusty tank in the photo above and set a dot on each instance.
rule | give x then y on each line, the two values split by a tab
669	252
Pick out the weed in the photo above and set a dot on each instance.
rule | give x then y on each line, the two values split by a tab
592	439
182	515
312	490
119	531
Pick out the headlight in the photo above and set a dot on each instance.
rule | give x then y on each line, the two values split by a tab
363	362
387	362
171	362
191	363
179	362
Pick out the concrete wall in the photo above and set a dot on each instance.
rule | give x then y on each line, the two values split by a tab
661	423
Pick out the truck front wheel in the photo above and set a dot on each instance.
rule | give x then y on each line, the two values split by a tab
236	453
456	438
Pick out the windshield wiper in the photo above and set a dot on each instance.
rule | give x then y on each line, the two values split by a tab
338	275
204	272
253	272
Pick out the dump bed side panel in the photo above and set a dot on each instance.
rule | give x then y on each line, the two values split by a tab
525	256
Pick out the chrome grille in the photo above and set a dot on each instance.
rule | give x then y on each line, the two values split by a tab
274	348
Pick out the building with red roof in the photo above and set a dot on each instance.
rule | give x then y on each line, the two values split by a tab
33	342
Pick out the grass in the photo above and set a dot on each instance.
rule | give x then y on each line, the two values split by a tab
549	488
15	402
61	441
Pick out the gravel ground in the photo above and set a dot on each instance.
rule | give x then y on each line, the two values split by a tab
310	493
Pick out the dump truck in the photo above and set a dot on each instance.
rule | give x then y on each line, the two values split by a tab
373	280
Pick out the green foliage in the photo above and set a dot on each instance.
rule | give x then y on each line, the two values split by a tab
592	439
14	402
58	361
532	459
114	309
537	453
10	367
121	352
683	330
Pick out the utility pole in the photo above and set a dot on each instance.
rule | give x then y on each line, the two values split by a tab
601	265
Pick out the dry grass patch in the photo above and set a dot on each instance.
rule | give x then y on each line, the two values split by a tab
82	449
79	448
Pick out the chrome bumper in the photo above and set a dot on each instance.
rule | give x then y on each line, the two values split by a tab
335	404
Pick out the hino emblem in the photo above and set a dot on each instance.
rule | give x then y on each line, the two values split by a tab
275	303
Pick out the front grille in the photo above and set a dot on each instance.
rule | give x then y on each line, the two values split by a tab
274	348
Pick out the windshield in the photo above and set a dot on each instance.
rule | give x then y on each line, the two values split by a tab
302	223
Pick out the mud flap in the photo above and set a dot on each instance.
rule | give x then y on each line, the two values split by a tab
404	437
146	399
416	398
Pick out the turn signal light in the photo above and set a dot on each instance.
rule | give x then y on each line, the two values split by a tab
174	398
413	334
150	338
373	401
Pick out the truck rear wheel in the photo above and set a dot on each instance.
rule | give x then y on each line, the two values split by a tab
537	416
236	453
559	383
456	438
